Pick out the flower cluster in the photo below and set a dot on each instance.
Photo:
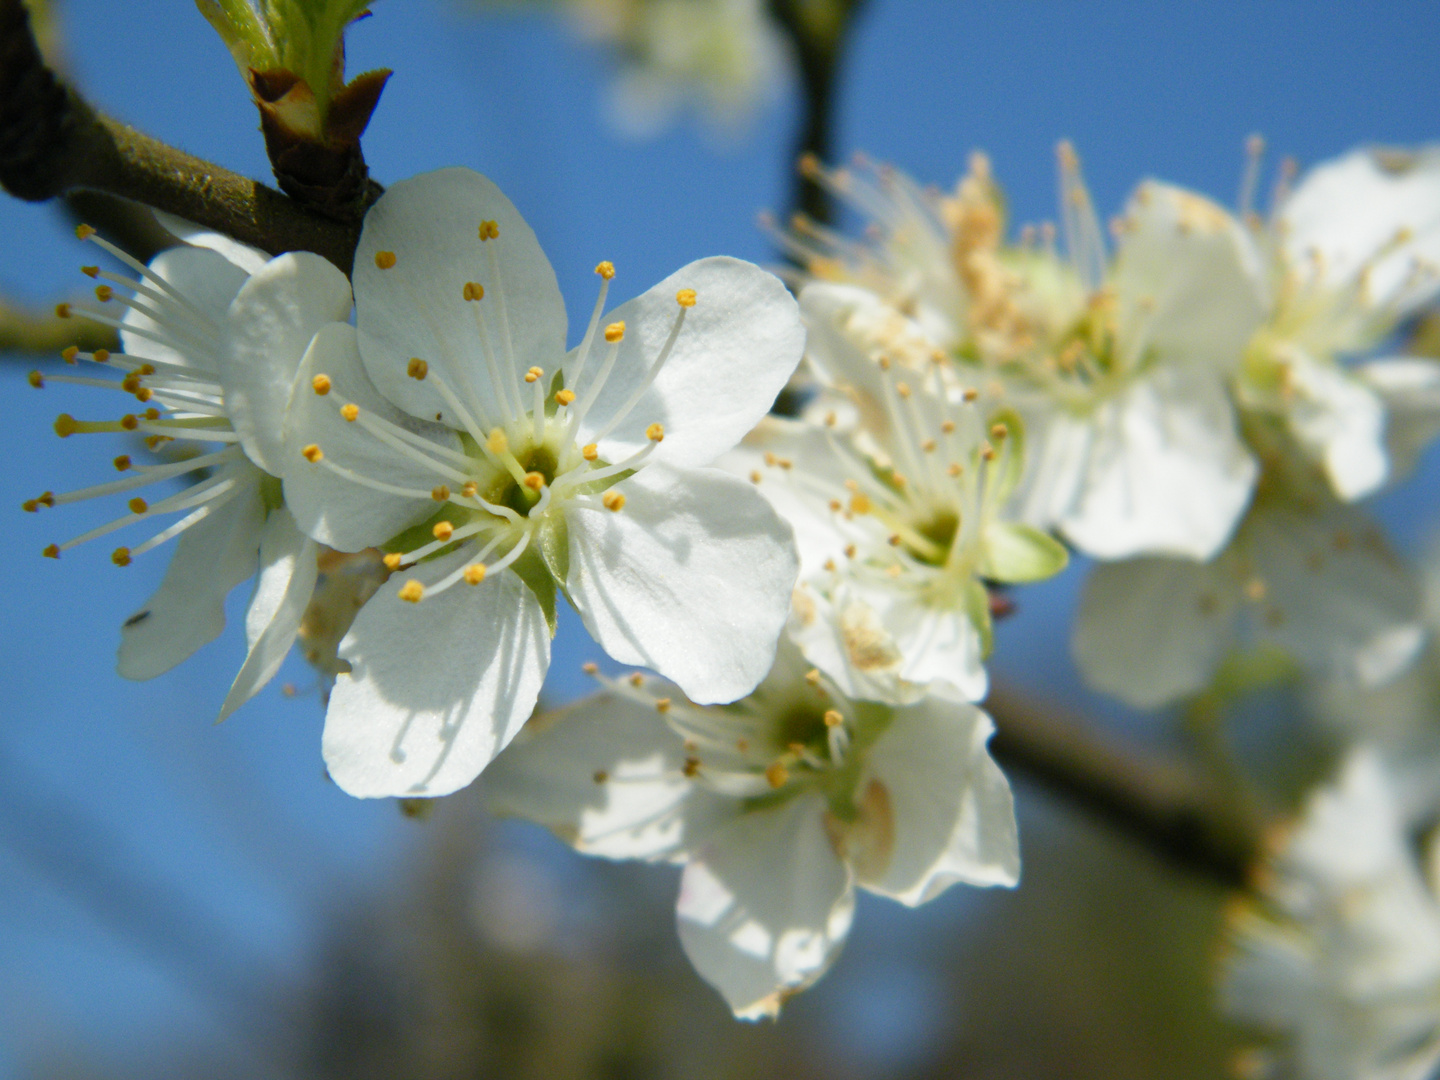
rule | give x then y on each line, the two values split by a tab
420	487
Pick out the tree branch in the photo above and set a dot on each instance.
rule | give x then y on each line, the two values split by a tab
52	142
818	31
1174	810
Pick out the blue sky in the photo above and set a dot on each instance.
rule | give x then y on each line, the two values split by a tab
206	815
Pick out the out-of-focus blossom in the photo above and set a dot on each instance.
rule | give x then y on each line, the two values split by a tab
451	427
778	806
212	337
1338	956
897	506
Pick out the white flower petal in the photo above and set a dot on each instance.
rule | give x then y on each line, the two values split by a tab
430	223
844	637
269	327
1167	472
605	774
244	256
1150	631
1187	281
951	817
1336	597
436	689
692	578
1058	449
1410	388
209	282
188	610
765	905
1353	208
282	592
936	644
333	509
739	344
1339	420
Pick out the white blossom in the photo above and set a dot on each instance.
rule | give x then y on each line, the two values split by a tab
451	427
1339	955
211	339
778	806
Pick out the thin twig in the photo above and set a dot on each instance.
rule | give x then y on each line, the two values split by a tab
1170	806
53	142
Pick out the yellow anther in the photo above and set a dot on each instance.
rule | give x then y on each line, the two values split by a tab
613	501
101	355
776	774
62	311
849	551
614	332
84	232
52	551
636	679
1255	590
534	374
893	539
662	704
685	297
473	290
69	355
813	676
36	379
590	451
755	476
948	426
928	446
770	458
412	591
154	441
831	419
130	383
393	560
474	573
953	469
691	766
655	432
470	490
312	453
144	394
497	443
884	362
417	368
829	565
129	421
384	259
143	369
987	451
443	530
350	411
859	503
970	395
833	718
321	384
138	505
65	425
489	230
600	776
120	556
564	397
30	506
152	414
104	293
606	269
590	667
534	480
809	166
903	389
836	506
998	432
90	271
440	493
122	463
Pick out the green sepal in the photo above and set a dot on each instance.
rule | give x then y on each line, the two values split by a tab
531	568
272	493
977	607
1015	552
595	487
557	383
552	540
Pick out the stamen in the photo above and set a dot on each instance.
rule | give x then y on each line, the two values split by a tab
385	260
606	271
650	375
412	591
321	384
613	501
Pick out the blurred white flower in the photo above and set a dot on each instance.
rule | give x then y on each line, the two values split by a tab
1119	366
1339	955
778	806
1353	251
898	510
212	337
451	427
